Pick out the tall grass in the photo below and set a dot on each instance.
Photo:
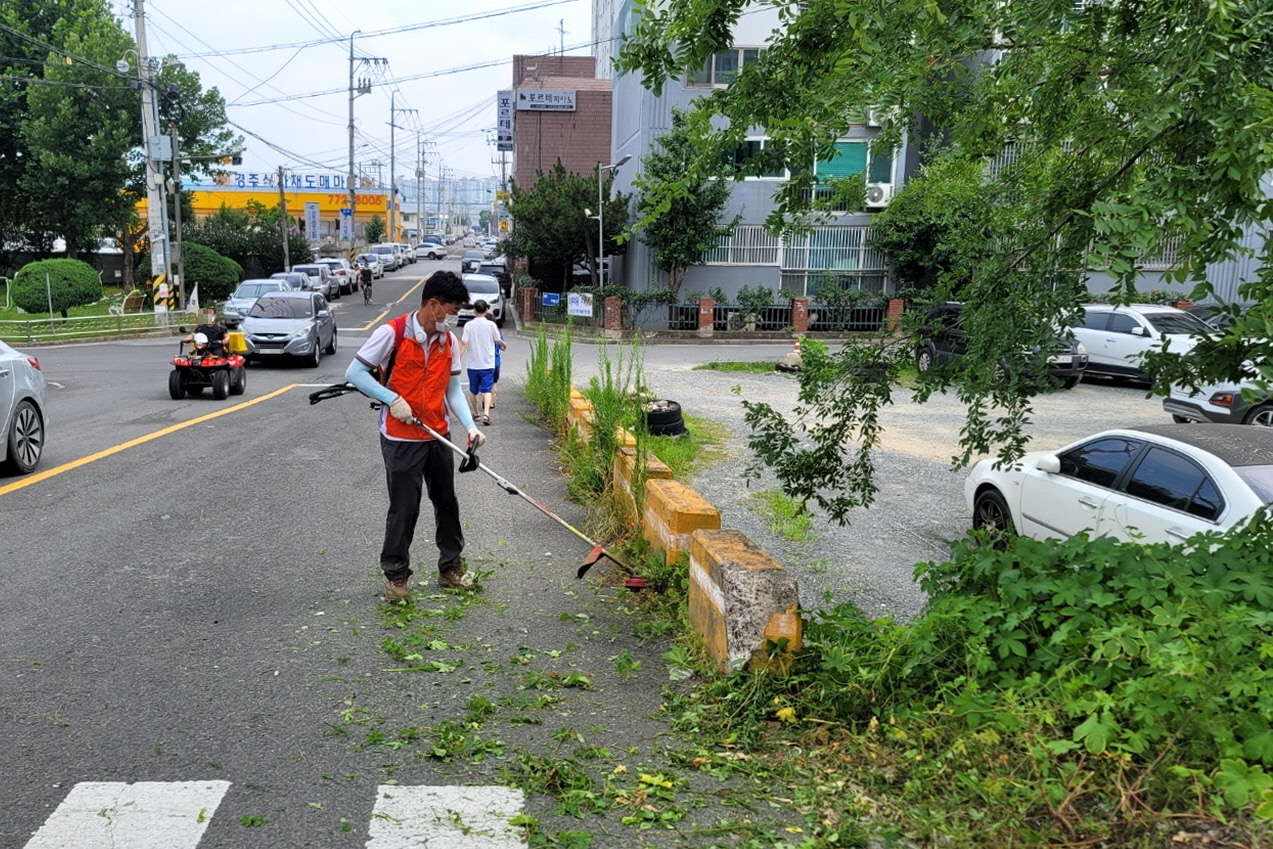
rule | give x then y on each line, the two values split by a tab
548	379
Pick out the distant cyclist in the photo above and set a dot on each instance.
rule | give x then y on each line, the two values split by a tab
364	280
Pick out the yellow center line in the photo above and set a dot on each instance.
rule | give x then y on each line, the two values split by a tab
133	443
369	325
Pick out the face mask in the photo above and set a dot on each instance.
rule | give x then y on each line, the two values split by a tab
449	323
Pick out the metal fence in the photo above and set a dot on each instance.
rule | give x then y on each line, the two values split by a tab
559	313
822	318
92	327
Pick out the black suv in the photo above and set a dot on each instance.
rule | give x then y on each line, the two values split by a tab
945	339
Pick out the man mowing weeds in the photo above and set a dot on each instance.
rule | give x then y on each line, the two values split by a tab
418	358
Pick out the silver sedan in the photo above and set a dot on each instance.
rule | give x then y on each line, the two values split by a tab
22	412
291	324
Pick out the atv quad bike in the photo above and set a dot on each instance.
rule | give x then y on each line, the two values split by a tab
202	366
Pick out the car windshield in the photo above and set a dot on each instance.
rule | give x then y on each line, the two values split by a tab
382	249
1260	479
311	270
368	258
282	308
1177	323
482	287
254	290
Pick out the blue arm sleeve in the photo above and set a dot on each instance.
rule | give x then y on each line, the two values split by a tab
456	401
360	376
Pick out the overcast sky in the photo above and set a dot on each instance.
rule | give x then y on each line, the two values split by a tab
430	68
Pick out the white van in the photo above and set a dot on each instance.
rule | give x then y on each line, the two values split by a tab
388	255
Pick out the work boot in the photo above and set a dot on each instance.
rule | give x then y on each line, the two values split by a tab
396	591
453	576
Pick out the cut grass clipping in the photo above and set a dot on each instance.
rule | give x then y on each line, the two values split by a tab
786	517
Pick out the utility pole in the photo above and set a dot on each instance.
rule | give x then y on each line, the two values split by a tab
283	219
180	279
156	198
393	176
419	187
364	87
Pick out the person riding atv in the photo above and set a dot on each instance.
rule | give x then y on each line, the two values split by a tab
215	333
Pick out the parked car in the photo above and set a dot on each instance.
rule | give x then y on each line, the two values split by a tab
373	262
245	295
344	272
388	256
1241	402
470	242
471	260
483	287
22	412
1117	338
297	280
431	250
321	279
498	270
295	324
408	253
1216	315
945	340
1155	484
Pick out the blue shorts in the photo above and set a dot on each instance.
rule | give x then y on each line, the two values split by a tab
481	380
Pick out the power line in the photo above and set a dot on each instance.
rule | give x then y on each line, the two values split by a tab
377	33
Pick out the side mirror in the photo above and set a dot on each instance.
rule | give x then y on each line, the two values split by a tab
1139	331
1050	463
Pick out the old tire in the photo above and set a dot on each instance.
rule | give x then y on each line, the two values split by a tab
221	384
239	380
1071	382
990	513
175	388
26	439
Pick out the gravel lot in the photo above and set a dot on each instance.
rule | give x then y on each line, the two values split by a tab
919	510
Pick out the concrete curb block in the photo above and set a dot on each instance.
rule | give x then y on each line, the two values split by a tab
740	599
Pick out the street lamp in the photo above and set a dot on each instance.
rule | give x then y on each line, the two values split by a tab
601	227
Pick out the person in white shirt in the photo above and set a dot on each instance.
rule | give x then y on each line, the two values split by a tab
478	345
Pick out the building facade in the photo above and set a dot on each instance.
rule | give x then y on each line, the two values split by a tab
561	111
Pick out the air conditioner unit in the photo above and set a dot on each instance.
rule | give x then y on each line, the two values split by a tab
878	195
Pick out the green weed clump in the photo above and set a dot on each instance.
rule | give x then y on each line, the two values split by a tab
1050	692
548	377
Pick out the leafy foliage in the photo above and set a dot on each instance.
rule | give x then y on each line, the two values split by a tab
1098	131
554	229
681	230
251	237
376	229
215	275
64	282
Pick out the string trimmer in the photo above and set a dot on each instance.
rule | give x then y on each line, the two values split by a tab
470	462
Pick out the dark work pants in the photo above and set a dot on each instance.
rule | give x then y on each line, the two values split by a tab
408	465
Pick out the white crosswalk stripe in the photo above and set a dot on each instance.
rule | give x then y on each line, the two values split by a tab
145	815
174	815
454	817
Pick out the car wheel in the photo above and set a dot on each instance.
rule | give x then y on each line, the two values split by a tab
990	514
221	384
499	322
1261	416
317	356
331	349
923	359
26	439
239	380
175	388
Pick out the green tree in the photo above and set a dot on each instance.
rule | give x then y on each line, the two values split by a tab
251	237
61	283
681	234
555	227
79	128
484	220
375	229
937	228
1101	130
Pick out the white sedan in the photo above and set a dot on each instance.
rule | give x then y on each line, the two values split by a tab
1150	484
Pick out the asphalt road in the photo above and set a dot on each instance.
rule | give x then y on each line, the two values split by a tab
191	596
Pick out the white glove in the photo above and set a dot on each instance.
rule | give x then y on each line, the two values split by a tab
401	410
476	437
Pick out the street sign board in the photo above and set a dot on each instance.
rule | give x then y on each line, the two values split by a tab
346	223
504	120
542	100
579	304
551	299
311	222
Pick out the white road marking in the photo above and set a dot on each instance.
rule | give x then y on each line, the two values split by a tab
450	817
145	815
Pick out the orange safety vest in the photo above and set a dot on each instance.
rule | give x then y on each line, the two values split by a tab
422	382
